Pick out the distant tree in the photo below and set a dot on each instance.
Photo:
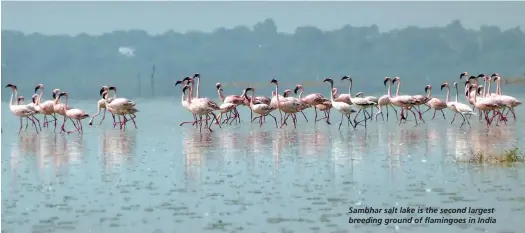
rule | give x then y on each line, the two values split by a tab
82	63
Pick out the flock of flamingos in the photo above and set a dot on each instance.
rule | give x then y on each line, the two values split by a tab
478	96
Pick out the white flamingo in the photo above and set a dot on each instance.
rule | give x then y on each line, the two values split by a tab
290	106
201	107
20	110
344	108
260	108
32	107
385	100
362	103
101	104
509	101
461	108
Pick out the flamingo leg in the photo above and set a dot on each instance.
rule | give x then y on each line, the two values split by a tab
304	116
355	118
453	118
415	117
294	117
340	123
315	109
133	116
380	111
27	123
21	126
444	118
434	116
103	116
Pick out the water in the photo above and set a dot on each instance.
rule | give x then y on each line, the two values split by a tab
166	178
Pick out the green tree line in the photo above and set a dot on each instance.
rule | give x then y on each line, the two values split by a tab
82	63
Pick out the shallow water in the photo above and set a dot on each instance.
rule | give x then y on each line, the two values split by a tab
240	178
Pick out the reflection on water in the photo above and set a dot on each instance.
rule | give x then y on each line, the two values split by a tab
247	179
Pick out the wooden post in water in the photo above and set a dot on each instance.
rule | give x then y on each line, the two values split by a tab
152	81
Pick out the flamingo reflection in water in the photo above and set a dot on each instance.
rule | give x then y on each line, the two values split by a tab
118	147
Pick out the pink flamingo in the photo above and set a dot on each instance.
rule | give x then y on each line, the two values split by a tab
485	105
288	105
20	102
201	106
120	112
20	110
58	107
210	102
286	94
405	102
258	100
260	108
230	103
46	107
420	100
385	100
509	101
345	98
312	100
73	113
435	103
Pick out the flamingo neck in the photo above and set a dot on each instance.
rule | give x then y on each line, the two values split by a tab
190	96
456	87
350	89
198	87
488	89
12	96
448	94
65	104
57	97
485	88
252	99
429	92
39	99
498	91
182	97
333	92
398	85
219	91
301	93
277	95
389	91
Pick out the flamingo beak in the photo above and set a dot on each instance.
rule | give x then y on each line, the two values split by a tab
295	90
328	80
185	88
426	89
442	86
36	88
178	82
394	81
273	81
101	91
384	82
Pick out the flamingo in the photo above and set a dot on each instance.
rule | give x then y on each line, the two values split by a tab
257	99
31	106
20	110
184	102
312	100
101	104
405	102
369	98
119	112
206	100
420	100
362	103
260	108
344	108
289	106
434	103
46	107
485	105
119	105
201	107
385	100
346	98
73	113
230	103
58	107
462	109
273	104
509	101
286	94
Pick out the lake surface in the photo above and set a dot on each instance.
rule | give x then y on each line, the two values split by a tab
240	178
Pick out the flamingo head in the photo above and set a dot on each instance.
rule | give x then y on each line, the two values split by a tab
188	80
471	87
196	75
463	75
274	81
386	80
286	92
248	89
299	86
12	86
494	75
428	87
178	82
34	97
38	87
329	80
55	93
219	86
62	94
445	84
21	98
113	88
395	80
185	88
479	89
358	94
346	77
105	95
455	84
472	77
104	88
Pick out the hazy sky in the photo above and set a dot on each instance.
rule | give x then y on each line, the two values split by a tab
157	17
